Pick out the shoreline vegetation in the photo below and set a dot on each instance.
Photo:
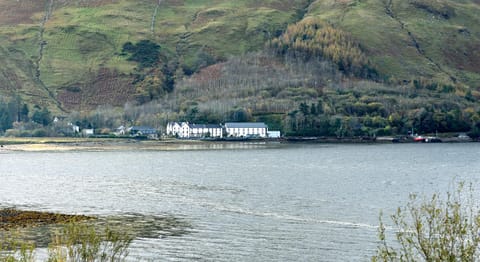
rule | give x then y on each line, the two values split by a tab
67	237
73	237
11	218
119	144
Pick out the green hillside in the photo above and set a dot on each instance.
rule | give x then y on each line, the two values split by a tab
413	38
248	60
72	49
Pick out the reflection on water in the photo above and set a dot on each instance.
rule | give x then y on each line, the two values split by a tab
239	202
221	146
135	225
146	226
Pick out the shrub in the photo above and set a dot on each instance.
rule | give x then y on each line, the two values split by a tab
434	230
145	53
12	250
12	133
39	133
75	241
81	242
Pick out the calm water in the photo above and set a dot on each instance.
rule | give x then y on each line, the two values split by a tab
245	203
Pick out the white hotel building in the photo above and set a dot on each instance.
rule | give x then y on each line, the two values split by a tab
234	130
246	129
186	130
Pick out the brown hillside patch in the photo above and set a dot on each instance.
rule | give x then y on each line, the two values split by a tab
85	3
19	12
210	73
95	3
107	87
9	80
175	2
467	57
203	17
281	5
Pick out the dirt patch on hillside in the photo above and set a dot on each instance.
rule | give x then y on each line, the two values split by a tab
22	12
178	2
10	80
466	58
19	12
106	88
84	3
210	73
284	6
205	16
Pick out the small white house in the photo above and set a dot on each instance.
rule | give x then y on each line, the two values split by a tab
88	132
173	128
121	131
274	134
180	130
246	129
75	128
140	131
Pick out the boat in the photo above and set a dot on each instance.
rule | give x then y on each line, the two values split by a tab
418	139
428	139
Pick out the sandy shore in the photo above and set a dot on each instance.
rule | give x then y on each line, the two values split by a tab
66	145
90	146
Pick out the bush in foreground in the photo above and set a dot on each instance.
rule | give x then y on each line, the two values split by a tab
75	241
434	230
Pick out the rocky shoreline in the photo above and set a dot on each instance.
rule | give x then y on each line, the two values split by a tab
11	218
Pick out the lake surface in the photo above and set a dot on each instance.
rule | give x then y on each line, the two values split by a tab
243	202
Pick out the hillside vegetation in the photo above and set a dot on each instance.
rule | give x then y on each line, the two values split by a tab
68	53
408	39
324	67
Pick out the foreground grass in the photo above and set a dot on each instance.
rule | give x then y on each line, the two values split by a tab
72	239
433	229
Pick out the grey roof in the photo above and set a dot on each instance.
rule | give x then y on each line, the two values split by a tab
204	126
246	125
143	129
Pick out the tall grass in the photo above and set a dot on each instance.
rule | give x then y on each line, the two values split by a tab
75	241
12	249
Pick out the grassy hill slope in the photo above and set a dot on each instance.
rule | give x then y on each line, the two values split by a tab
413	38
67	54
73	48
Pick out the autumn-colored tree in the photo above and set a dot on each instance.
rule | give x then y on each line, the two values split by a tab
314	39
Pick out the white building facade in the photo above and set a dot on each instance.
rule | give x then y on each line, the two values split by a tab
173	128
201	131
273	134
186	130
246	129
180	130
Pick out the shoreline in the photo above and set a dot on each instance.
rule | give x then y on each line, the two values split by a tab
119	144
62	144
